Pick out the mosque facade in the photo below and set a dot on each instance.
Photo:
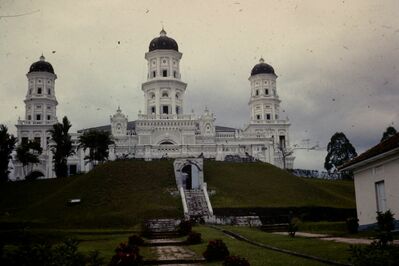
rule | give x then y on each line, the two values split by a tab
164	129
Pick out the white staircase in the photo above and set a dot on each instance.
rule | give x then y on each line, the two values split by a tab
196	202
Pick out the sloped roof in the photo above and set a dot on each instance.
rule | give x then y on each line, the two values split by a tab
381	148
131	125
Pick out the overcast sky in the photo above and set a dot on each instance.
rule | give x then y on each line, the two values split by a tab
336	61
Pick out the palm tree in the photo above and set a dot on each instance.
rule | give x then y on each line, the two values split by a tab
28	154
97	142
63	146
7	144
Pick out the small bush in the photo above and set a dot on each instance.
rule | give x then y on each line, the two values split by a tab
386	223
375	255
216	250
126	256
94	259
235	261
194	238
293	226
135	240
185	227
352	224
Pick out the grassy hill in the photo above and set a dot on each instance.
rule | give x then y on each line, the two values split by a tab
122	193
264	185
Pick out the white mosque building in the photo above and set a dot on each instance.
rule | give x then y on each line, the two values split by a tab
163	129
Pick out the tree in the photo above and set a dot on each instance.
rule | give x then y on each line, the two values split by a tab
284	152
28	154
7	145
339	151
63	146
97	142
389	132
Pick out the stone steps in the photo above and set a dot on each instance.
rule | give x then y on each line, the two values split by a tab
196	203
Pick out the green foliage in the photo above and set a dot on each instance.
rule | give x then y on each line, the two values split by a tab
44	254
185	227
63	146
97	142
389	132
235	261
7	145
381	251
386	223
216	250
339	151
135	240
194	238
375	255
28	154
126	255
293	226
352	225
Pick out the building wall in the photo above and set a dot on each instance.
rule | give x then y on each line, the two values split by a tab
386	170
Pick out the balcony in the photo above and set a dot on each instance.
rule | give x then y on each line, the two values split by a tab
32	122
165	117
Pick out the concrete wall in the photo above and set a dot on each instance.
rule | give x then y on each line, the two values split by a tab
387	170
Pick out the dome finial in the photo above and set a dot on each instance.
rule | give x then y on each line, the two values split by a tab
261	60
163	32
42	58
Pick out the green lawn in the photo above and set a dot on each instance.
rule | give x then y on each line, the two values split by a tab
256	256
316	247
121	194
264	185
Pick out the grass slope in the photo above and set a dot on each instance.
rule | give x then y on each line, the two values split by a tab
122	193
264	185
119	193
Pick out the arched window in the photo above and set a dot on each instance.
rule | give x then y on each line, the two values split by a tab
257	92
267	91
152	95
164	73
165	94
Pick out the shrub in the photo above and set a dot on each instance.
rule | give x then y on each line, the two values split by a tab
386	224
94	259
385	221
65	254
185	227
135	240
293	226
235	261
374	255
194	238
126	256
352	224
216	250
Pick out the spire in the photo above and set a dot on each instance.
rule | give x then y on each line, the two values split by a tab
42	58
163	32
261	60
119	109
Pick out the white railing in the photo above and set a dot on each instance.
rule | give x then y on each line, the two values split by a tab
31	122
165	116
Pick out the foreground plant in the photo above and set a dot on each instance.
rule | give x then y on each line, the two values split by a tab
216	250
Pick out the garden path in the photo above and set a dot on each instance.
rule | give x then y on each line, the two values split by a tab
346	240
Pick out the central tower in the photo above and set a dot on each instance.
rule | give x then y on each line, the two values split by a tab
163	90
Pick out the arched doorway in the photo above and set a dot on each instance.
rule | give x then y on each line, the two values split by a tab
187	176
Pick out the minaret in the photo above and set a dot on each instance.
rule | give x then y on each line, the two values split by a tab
264	101
163	90
40	104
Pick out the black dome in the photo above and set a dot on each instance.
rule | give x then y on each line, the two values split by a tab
163	42
262	68
41	66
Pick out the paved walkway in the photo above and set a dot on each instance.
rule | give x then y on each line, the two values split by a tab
174	253
346	240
